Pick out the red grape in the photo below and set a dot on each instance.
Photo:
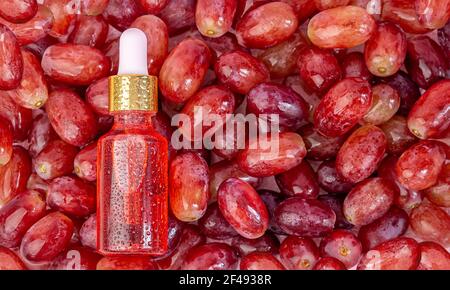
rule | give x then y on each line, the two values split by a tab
243	208
341	27
266	25
305	217
299	253
369	200
342	107
419	166
260	261
342	245
189	186
396	254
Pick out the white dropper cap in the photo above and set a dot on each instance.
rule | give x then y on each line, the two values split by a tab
133	52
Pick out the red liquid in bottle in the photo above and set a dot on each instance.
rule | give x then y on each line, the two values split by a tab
132	193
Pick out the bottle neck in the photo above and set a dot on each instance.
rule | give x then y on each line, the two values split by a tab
133	120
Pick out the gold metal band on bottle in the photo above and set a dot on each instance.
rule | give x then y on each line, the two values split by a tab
133	93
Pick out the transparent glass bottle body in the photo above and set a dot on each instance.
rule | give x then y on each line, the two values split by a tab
132	210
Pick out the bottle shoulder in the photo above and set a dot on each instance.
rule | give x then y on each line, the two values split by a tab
147	135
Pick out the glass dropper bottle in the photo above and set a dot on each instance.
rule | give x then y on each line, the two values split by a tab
132	208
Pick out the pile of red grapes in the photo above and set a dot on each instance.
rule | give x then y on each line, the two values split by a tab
362	89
